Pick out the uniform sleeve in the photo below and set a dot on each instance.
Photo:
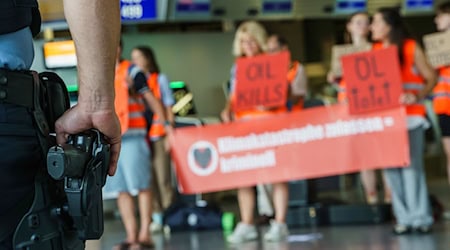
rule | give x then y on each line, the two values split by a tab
166	91
300	83
140	83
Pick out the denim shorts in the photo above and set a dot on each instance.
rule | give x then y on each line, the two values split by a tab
133	170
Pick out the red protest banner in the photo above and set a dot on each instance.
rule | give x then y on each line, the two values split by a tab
373	80
313	143
261	81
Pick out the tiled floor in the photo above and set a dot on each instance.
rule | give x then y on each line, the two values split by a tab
356	237
373	237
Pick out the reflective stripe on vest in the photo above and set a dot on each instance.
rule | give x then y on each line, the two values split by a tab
136	113
441	92
157	129
121	92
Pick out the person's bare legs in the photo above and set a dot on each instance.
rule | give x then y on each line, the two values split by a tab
246	199
145	212
446	144
280	201
125	202
369	181
387	190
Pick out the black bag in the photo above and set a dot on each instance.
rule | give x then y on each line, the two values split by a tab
181	216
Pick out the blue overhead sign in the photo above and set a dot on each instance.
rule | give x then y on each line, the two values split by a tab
349	6
138	10
277	6
193	6
419	4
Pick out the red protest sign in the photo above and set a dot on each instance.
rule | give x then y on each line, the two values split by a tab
373	80
313	143
261	81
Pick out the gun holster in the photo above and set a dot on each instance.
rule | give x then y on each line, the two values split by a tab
45	96
67	208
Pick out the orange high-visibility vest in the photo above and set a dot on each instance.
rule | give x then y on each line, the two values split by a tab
129	109
121	91
441	92
157	129
136	116
292	73
412	81
342	94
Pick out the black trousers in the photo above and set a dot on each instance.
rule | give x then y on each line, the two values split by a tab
20	158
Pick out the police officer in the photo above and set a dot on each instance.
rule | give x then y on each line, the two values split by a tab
95	27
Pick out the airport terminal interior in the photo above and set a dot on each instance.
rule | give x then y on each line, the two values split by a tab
193	43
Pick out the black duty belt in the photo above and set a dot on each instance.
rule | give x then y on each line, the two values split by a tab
16	87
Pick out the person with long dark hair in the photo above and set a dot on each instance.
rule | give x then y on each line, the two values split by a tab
409	189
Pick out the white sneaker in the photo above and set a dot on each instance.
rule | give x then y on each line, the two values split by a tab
156	227
277	232
243	232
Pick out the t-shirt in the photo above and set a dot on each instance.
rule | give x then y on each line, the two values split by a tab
16	50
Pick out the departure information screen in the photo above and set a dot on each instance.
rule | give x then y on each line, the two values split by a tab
277	6
350	6
418	5
192	6
138	10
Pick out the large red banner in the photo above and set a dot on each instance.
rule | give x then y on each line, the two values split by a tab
373	80
313	143
261	81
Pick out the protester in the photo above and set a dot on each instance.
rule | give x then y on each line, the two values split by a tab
250	40
409	190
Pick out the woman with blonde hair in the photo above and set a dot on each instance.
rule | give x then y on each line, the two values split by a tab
250	40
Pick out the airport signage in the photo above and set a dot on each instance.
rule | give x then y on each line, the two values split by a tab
138	10
316	142
277	6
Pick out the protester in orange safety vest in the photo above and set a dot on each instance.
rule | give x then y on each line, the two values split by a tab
298	82
357	33
409	190
441	93
163	190
250	40
133	175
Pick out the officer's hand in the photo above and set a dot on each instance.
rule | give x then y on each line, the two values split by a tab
80	118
